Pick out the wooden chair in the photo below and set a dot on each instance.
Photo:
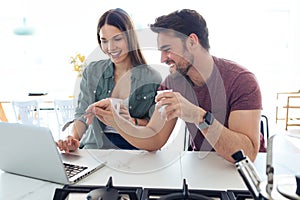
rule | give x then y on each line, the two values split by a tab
293	104
288	107
2	114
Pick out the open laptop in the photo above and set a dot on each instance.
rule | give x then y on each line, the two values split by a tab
31	151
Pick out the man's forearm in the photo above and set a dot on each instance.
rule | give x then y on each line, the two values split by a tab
226	142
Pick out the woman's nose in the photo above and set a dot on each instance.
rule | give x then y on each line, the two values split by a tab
110	45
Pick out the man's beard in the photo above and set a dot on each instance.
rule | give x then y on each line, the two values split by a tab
184	71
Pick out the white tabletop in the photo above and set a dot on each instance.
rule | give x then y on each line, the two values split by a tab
202	170
162	169
209	171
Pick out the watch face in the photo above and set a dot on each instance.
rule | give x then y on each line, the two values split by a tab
208	118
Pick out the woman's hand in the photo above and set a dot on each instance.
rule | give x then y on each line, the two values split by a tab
68	145
124	112
103	111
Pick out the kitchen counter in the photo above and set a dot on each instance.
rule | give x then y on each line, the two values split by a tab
165	169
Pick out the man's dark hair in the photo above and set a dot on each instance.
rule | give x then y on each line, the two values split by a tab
185	22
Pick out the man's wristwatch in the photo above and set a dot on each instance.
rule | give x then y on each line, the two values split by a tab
208	120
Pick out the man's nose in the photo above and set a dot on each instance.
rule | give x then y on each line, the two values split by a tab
164	57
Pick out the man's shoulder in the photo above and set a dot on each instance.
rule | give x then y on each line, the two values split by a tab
223	61
228	65
234	75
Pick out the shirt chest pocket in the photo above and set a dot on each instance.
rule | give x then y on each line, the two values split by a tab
104	90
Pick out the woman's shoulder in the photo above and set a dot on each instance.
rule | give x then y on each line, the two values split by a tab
98	66
147	72
99	63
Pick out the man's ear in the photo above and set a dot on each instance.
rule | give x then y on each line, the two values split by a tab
192	40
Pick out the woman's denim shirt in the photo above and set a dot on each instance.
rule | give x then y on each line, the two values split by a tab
98	82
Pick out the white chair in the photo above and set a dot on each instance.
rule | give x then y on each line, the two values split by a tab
27	112
64	110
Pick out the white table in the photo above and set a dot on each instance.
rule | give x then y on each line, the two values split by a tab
166	169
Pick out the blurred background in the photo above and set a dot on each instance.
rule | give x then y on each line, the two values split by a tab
37	39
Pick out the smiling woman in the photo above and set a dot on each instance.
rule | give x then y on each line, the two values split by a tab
124	75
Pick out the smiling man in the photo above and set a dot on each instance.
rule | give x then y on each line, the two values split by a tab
219	100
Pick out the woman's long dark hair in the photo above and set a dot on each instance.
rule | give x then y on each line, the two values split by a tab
121	20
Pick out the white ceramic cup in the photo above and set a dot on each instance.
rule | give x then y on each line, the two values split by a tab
161	109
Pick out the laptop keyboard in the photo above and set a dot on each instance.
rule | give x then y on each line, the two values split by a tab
72	170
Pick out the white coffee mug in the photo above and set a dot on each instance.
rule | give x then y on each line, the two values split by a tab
160	92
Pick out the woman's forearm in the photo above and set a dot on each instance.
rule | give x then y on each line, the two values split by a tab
139	122
78	129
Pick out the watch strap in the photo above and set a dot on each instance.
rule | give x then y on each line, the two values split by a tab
208	120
